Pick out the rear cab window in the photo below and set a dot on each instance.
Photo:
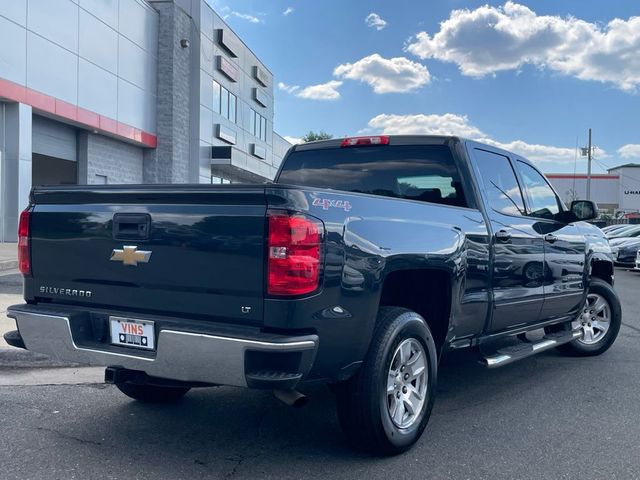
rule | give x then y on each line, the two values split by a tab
425	173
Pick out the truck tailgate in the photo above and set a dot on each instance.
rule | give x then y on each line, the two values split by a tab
196	251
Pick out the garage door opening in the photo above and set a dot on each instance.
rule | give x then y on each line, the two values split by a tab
53	171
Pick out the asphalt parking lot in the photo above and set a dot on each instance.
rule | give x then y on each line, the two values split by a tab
545	417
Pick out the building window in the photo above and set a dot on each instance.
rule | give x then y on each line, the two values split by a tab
219	180
232	107
216	96
258	125
224	102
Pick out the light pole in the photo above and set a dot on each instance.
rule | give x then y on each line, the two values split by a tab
589	168
586	152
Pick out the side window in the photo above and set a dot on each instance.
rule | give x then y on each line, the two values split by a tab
542	199
216	97
500	183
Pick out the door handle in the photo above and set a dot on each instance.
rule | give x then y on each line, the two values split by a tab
131	226
503	236
550	237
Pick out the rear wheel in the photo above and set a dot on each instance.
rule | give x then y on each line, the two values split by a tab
385	407
599	321
152	393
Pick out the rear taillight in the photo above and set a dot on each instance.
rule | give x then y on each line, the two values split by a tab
360	141
294	253
24	257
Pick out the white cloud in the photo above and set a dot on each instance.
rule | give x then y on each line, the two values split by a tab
288	88
293	140
227	12
629	151
491	39
288	11
249	18
374	20
459	125
322	91
386	75
536	153
421	124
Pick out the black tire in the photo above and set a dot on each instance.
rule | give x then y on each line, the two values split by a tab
362	400
577	348
152	393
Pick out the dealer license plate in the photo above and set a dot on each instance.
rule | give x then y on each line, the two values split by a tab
128	332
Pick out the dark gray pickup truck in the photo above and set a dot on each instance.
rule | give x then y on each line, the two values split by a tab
366	261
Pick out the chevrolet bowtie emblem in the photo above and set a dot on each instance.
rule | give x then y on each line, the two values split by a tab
130	255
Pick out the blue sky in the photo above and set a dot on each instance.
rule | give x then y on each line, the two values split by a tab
530	76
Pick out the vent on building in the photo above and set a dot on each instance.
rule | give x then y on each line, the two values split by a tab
226	67
261	76
260	97
259	151
229	42
226	134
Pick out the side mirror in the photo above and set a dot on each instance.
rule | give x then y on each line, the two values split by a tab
584	209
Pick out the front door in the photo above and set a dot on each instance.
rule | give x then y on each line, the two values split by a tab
564	246
517	248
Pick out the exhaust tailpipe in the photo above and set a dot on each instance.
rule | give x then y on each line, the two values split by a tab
293	398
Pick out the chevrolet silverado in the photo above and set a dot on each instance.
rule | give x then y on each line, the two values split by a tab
363	263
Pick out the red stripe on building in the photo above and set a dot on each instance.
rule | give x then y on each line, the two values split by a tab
78	115
570	176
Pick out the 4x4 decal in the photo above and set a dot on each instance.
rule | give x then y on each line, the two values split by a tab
325	203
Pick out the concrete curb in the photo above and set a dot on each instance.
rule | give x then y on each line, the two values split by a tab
8	265
53	376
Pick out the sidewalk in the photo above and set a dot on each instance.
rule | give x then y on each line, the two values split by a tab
7	324
8	256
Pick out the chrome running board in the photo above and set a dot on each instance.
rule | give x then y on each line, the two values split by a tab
513	353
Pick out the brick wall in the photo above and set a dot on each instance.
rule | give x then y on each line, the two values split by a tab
169	162
103	156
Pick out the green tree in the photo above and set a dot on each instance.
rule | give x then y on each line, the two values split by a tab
313	136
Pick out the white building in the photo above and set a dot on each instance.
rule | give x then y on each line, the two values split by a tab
128	91
617	190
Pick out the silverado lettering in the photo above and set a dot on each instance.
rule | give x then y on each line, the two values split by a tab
69	292
455	245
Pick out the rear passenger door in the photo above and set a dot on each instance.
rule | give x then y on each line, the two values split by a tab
564	246
517	248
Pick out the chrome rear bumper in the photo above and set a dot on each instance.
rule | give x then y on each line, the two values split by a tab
184	356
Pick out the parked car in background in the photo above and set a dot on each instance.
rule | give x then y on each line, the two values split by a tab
617	243
613	228
624	232
624	238
625	253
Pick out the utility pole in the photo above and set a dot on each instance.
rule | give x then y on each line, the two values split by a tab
589	168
